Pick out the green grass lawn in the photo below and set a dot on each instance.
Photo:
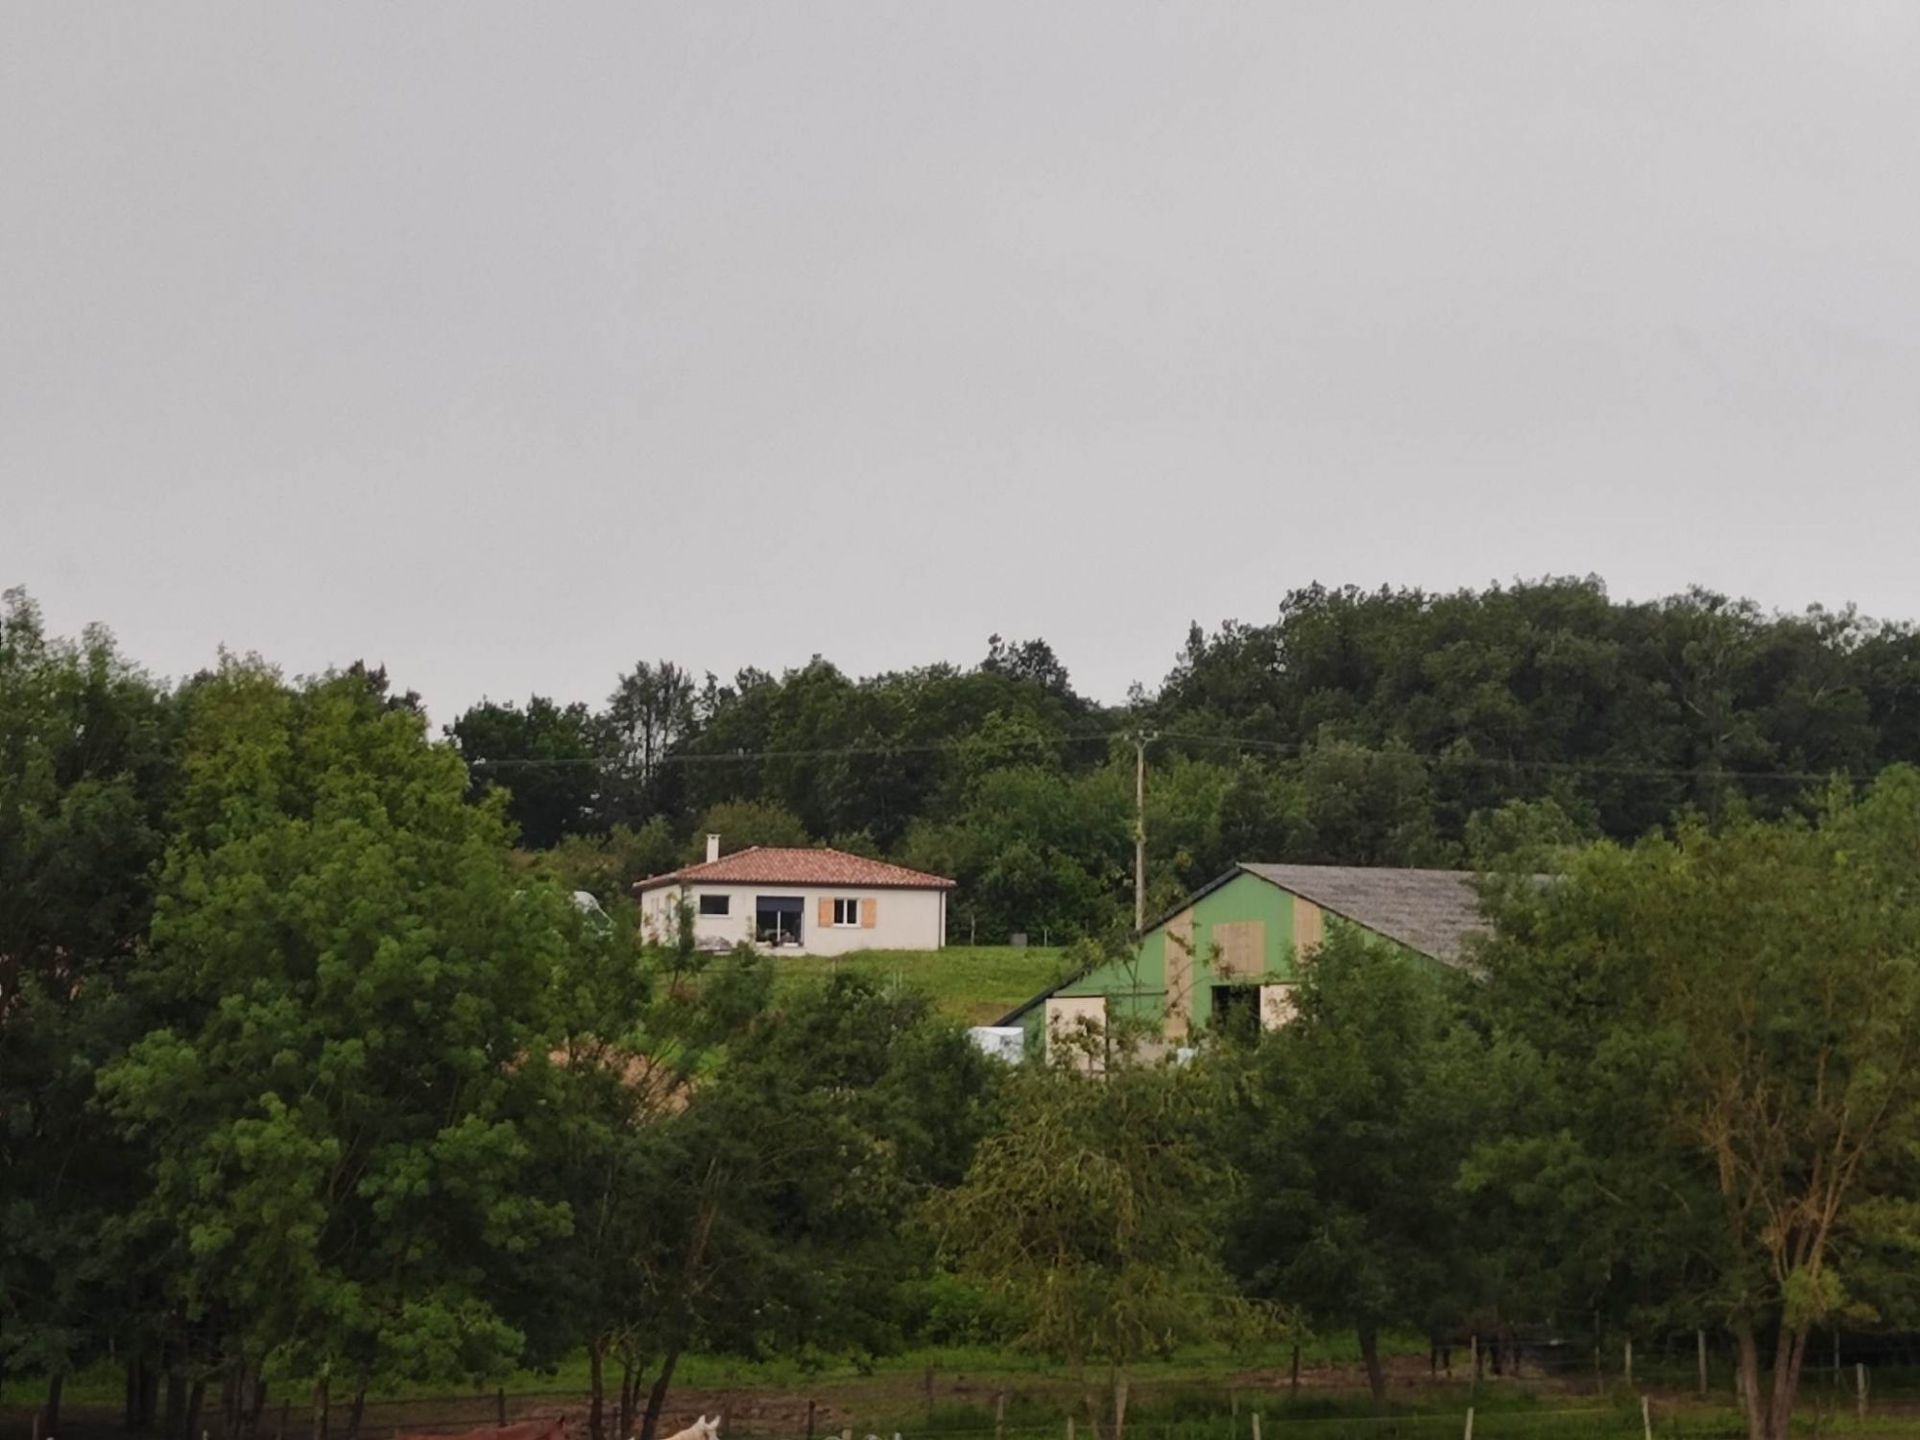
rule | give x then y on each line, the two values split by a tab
973	984
1197	1393
102	1382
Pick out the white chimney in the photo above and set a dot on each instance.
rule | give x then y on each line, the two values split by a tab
713	848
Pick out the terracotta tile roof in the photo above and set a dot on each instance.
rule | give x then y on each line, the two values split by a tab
768	865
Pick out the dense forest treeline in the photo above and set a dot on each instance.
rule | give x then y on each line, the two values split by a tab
1363	727
311	1082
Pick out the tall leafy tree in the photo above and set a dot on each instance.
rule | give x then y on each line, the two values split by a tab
85	771
742	823
762	1202
543	756
1348	1127
605	866
1765	977
1034	850
1031	662
1092	1214
637	1024
651	711
345	1001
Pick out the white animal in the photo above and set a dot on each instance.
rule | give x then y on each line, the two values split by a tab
701	1429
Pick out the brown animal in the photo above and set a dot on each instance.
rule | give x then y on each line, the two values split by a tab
553	1427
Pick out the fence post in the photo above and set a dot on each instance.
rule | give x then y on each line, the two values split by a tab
1469	1434
810	1405
1700	1345
1646	1418
38	1416
1256	1425
1069	1427
500	1406
1293	1372
1629	1362
1000	1416
1860	1388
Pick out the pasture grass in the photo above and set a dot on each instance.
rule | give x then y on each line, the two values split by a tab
969	984
976	1364
1187	1395
102	1383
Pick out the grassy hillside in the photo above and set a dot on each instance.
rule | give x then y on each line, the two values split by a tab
973	984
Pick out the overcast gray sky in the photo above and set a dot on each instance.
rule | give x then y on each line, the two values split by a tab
507	343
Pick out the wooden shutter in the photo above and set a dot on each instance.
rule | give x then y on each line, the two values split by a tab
826	912
869	913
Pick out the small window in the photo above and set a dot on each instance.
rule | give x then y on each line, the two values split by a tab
716	904
846	913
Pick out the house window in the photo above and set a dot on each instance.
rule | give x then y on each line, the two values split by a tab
716	904
776	919
846	913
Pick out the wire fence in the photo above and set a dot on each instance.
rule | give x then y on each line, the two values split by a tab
1512	1385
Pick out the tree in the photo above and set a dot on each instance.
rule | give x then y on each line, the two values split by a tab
1767	973
741	823
637	1024
544	757
380	684
766	1203
1346	1125
344	999
1032	662
651	711
85	771
1034	850
1092	1215
606	866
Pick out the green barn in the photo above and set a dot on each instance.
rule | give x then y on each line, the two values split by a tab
1238	944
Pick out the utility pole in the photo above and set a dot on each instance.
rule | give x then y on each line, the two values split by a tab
1141	739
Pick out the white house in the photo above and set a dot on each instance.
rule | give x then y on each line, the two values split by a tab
809	902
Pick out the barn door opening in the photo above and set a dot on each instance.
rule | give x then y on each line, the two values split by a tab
1236	1010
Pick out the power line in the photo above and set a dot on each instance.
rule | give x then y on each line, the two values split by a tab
1585	767
824	753
1278	748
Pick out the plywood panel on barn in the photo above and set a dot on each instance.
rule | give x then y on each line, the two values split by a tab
1309	929
1080	1023
1276	1006
1239	950
1178	940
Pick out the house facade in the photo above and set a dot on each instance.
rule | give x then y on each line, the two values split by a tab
803	902
1239	945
